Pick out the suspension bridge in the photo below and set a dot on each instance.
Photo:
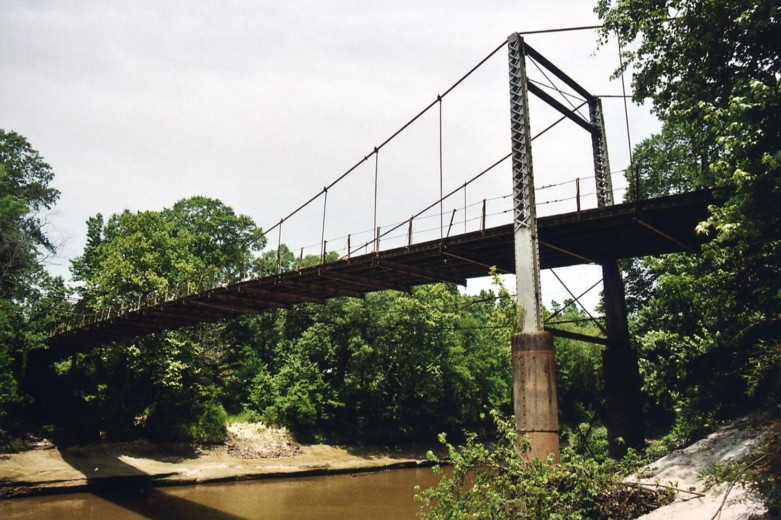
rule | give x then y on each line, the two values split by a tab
648	227
395	258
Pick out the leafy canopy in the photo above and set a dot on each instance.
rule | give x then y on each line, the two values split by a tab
134	254
711	69
24	193
29	297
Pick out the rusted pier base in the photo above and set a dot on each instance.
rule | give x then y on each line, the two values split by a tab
534	392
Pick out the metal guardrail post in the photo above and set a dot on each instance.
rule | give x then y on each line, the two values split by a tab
577	194
450	226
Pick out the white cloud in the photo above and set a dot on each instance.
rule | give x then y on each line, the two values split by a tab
138	104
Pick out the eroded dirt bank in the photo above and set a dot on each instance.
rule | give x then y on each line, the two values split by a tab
251	453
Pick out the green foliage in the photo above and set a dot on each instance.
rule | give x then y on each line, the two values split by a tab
760	471
9	388
763	468
210	426
587	440
686	50
496	482
578	366
132	255
720	472
764	375
296	396
664	164
24	194
218	237
170	385
706	325
391	366
135	254
30	299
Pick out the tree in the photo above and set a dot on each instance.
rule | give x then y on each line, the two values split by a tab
218	236
712	71
492	480
168	383
30	300
24	194
134	254
578	366
391	366
664	164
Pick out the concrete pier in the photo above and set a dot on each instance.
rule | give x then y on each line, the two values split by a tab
534	392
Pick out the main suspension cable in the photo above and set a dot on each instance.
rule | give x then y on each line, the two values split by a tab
394	135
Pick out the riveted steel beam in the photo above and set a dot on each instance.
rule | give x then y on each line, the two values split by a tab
527	254
542	60
601	160
567	112
331	292
278	296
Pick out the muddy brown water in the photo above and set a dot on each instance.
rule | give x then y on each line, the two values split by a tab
375	495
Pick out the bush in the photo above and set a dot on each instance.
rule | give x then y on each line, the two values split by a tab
202	423
495	482
210	427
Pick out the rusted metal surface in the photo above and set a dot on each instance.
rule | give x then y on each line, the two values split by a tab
566	239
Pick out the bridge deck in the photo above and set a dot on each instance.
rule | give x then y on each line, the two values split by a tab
651	227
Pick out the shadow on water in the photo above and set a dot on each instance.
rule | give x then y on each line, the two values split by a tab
156	504
124	485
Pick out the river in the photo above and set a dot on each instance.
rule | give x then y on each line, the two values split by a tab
376	495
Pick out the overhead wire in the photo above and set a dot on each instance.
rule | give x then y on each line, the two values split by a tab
553	86
396	133
562	29
424	111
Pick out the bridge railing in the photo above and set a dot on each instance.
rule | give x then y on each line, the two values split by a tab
428	224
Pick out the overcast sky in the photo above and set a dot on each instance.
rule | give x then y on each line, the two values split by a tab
260	104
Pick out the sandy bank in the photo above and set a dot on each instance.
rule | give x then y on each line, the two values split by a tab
683	470
48	469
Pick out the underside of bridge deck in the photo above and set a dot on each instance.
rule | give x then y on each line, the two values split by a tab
651	227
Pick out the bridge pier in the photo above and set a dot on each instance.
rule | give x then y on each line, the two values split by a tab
534	367
534	392
534	372
620	372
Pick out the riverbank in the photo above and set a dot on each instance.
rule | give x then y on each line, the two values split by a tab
251	453
698	497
